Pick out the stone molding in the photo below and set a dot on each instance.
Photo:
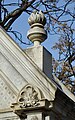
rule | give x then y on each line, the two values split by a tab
24	65
8	93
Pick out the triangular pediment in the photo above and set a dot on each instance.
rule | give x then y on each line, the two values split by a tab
20	75
24	85
17	70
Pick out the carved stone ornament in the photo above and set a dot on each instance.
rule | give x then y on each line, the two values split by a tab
37	33
30	100
34	118
36	17
29	97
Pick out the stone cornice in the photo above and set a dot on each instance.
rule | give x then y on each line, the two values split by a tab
64	89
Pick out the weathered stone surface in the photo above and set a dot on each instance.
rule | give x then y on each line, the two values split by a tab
8	116
9	70
42	58
7	93
36	116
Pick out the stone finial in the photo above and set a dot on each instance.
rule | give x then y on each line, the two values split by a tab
37	34
36	17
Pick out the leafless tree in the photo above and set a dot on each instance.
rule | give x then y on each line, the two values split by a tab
60	15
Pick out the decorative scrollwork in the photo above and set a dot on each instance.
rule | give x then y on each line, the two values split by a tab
29	97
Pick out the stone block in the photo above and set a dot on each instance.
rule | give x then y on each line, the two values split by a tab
42	58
